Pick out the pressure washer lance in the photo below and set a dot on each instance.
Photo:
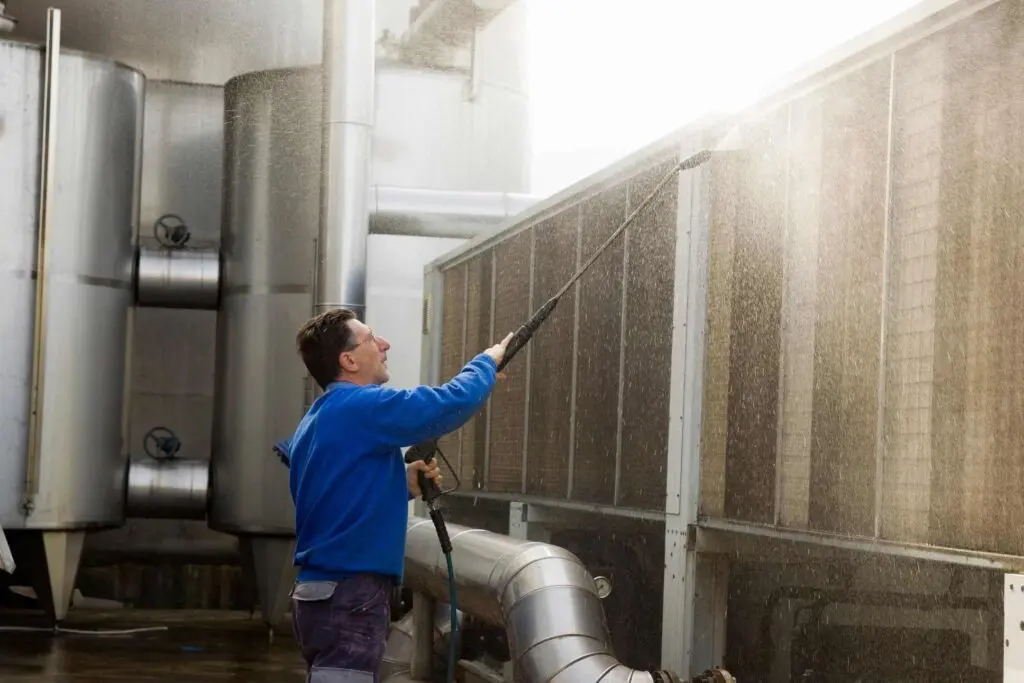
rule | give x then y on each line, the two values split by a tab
427	450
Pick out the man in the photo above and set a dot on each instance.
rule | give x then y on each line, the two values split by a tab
351	488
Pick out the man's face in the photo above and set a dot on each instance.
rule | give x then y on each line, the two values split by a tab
367	362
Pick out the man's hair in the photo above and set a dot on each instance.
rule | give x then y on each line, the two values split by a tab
322	340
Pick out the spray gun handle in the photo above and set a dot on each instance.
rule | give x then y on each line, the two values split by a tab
517	342
424	451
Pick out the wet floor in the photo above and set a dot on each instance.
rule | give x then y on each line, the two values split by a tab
190	647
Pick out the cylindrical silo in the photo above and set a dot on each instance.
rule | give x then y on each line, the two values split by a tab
73	480
271	209
442	137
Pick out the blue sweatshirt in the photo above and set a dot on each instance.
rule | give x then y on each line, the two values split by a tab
347	475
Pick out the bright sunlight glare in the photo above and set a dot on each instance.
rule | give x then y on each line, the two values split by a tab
609	76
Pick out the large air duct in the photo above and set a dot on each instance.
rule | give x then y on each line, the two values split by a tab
441	213
541	594
348	94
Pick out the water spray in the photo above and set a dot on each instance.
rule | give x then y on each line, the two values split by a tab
427	450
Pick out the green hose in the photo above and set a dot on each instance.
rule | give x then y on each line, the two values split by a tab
453	603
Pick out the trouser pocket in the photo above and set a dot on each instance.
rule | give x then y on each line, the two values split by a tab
342	627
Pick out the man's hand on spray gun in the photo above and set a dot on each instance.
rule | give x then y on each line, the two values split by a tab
422	473
427	470
497	353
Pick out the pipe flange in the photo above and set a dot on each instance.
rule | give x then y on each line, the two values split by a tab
716	675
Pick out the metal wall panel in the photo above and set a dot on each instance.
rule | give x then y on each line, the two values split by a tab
978	435
797	234
850	257
748	195
600	337
583	414
547	459
647	343
453	326
892	345
513	268
799	312
479	282
910	345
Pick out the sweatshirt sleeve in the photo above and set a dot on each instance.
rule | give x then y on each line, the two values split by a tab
403	417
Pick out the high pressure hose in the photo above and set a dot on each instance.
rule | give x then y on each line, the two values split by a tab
426	450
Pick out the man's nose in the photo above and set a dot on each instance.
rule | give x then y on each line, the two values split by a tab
383	343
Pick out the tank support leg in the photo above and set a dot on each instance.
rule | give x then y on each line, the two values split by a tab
269	558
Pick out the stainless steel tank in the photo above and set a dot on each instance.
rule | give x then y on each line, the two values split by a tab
271	210
80	469
428	136
70	156
272	195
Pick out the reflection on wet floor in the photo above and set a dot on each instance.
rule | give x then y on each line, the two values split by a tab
196	647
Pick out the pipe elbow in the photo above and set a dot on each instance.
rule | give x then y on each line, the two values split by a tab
542	595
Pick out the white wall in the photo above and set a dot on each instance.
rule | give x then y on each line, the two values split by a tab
394	297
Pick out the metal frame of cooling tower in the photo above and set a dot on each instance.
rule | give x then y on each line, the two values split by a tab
698	548
694	606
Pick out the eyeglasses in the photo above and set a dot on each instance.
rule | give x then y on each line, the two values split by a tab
369	338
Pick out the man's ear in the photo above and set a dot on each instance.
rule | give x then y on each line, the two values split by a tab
347	363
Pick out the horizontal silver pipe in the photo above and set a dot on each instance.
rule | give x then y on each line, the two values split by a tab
541	594
441	213
178	278
175	488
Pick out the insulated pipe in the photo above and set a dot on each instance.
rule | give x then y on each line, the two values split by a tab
348	94
175	488
178	278
541	594
441	213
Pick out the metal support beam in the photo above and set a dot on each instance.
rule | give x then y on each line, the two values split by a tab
693	585
526	522
421	665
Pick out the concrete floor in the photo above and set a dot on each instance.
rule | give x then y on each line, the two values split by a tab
197	647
